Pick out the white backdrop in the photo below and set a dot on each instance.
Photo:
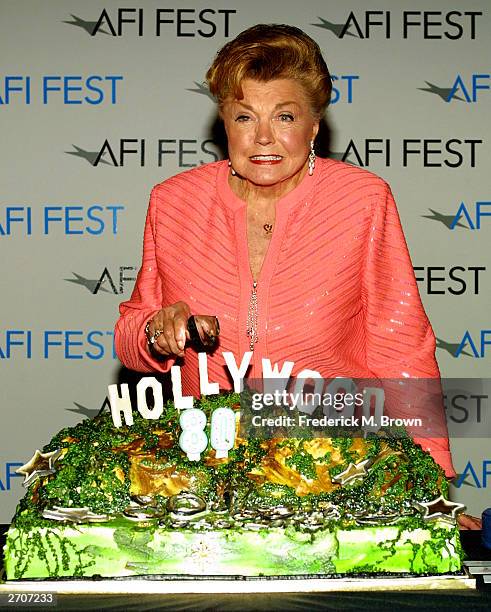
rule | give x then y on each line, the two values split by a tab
99	101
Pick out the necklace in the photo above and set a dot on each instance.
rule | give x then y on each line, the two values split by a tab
268	228
251	326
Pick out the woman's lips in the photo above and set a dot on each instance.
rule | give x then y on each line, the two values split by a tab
267	160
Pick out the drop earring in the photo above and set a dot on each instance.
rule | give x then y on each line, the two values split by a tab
311	158
232	171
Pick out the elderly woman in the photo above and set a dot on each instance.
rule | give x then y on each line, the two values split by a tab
301	259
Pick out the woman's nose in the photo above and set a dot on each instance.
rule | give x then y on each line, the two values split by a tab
264	133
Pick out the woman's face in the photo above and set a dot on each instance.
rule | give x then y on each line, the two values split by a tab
269	131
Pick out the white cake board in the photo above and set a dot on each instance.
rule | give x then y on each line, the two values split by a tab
248	585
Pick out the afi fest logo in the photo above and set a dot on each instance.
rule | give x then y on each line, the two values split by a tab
413	152
57	220
472	344
7	472
139	22
90	413
463	89
141	152
450	280
105	282
475	474
468	216
70	344
455	349
420	25
92	89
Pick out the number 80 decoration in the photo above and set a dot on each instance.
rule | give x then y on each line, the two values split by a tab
193	439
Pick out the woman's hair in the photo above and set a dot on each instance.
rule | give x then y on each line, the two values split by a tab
266	52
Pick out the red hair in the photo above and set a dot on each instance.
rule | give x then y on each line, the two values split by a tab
267	52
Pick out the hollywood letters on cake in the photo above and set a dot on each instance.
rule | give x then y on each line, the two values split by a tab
193	439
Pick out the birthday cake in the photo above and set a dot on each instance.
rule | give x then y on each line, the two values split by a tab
125	501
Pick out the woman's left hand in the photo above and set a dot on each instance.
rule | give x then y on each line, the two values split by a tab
466	522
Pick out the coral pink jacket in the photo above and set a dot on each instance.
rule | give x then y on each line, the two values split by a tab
336	292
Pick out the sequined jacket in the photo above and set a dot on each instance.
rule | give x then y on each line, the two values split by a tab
336	292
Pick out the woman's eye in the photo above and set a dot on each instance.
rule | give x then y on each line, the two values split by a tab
242	118
286	117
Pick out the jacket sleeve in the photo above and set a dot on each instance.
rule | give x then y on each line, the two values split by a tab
400	342
146	300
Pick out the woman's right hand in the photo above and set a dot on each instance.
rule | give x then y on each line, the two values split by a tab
172	320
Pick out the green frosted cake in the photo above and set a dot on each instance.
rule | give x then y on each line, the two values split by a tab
128	501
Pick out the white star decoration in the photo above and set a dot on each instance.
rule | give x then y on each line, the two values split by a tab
352	472
440	508
38	466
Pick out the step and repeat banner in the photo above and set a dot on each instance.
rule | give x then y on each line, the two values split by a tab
100	100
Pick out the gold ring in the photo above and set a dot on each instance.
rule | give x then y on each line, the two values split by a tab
151	338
